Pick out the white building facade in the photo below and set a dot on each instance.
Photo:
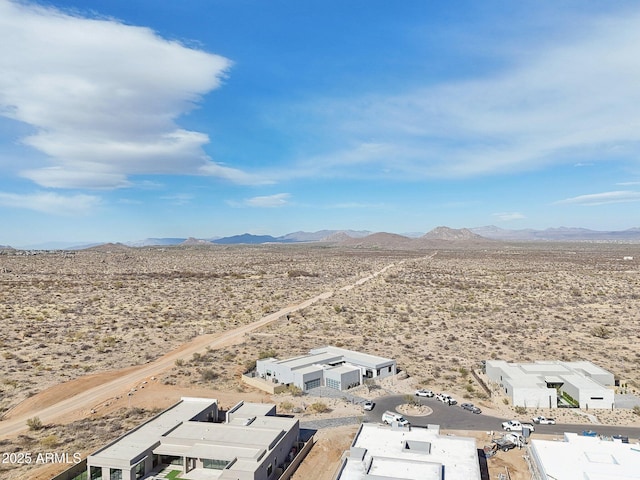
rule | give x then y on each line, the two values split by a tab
542	384
326	367
250	444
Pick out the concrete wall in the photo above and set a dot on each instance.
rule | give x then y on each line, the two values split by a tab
384	370
595	398
301	378
274	371
350	378
264	385
535	397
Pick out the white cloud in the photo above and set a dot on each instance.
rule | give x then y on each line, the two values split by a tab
103	97
509	216
234	175
178	199
51	203
605	198
573	103
268	201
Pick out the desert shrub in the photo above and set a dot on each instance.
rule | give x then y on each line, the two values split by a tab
505	400
249	365
300	273
319	407
34	423
600	331
209	375
294	391
268	354
286	406
50	441
179	362
636	410
411	399
520	410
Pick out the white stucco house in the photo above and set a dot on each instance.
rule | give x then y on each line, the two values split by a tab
586	458
387	453
329	366
540	384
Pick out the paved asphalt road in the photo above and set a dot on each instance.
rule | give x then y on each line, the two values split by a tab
455	418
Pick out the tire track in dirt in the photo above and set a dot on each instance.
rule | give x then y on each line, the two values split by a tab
75	399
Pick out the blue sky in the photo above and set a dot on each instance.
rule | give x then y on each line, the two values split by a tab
121	120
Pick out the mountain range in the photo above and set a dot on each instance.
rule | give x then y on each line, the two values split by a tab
361	238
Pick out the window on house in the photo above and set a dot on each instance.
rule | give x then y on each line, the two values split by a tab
140	470
95	473
269	470
81	476
213	464
115	474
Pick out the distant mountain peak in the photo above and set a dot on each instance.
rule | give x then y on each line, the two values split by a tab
195	241
446	233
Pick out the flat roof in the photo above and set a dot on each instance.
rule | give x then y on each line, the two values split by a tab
250	409
587	457
354	357
172	432
259	433
386	455
343	369
309	369
306	360
138	440
538	373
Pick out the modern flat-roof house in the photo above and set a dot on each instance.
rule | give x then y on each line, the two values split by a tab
328	366
251	444
386	453
585	457
540	384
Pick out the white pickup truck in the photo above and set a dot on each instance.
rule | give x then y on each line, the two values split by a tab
543	420
516	426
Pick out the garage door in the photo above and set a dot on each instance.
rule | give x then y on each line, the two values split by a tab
312	384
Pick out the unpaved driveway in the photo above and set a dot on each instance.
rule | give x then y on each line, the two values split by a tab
75	399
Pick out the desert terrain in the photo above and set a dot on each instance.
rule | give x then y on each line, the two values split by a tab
81	317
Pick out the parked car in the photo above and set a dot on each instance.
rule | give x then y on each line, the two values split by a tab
516	426
368	405
390	417
424	393
446	398
589	433
471	407
540	420
622	438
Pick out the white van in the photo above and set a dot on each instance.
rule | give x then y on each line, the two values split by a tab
390	417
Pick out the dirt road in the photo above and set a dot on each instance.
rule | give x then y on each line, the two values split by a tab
64	403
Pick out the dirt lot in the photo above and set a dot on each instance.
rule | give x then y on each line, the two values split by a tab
438	312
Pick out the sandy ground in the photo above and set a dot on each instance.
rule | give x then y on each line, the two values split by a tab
74	322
